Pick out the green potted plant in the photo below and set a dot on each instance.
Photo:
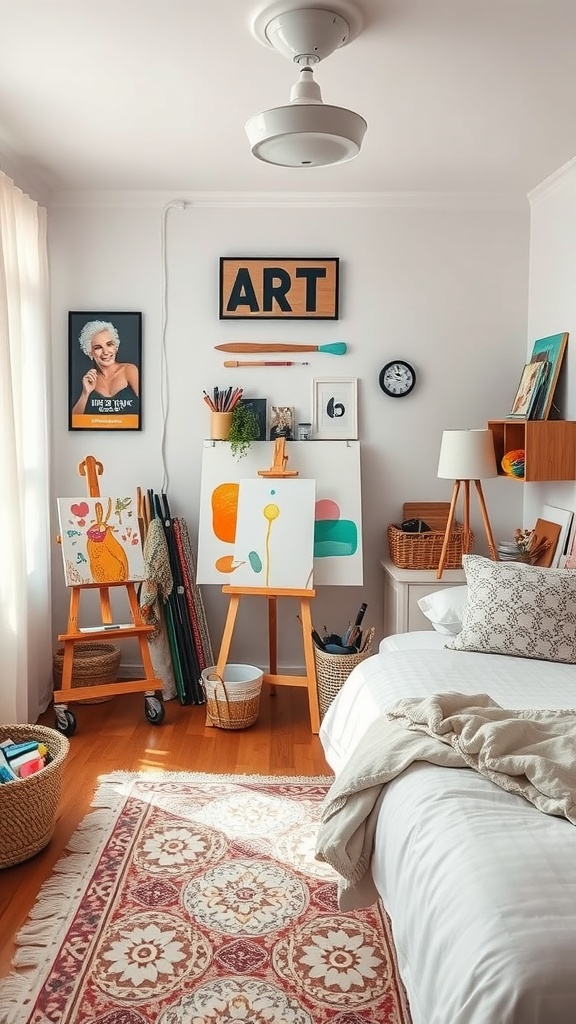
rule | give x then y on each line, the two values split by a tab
244	428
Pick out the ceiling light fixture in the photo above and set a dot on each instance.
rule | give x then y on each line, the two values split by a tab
307	132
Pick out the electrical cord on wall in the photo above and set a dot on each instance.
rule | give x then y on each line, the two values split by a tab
174	204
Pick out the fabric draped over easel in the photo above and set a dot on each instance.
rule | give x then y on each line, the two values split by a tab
154	593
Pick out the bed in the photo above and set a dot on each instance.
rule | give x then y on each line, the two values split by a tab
480	886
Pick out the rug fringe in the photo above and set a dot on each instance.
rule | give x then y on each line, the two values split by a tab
15	990
121	776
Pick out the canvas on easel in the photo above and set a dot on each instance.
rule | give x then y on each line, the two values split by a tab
274	545
100	540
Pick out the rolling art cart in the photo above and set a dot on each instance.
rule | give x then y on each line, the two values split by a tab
137	629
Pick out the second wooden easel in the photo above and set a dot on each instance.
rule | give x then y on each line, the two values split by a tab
154	709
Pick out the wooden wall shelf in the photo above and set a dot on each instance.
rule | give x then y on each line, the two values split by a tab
549	446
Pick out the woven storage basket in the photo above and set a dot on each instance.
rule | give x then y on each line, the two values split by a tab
423	550
332	671
232	702
93	665
28	806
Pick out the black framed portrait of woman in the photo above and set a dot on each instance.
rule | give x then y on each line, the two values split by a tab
104	371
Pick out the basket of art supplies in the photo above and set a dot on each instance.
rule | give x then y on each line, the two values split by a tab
332	670
93	665
422	550
232	699
28	806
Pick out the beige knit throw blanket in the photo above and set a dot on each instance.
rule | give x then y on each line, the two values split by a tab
531	753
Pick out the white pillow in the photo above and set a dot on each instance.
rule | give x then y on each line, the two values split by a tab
518	609
445	609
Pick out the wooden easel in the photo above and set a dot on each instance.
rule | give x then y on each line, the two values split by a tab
278	467
278	470
272	676
65	721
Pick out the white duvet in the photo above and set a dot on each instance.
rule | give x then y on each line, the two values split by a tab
480	886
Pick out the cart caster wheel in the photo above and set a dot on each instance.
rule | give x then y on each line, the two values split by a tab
66	722
154	710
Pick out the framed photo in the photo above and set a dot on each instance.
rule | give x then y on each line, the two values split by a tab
528	390
281	422
334	408
549	351
259	405
104	371
278	288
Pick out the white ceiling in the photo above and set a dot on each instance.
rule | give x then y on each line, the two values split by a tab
459	95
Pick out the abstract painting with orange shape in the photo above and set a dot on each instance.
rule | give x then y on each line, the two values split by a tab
337	547
275	534
100	540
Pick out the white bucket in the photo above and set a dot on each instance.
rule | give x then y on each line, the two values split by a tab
233	699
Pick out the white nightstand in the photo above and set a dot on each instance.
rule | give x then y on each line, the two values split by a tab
402	590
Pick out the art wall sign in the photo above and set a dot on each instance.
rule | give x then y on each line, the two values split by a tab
257	288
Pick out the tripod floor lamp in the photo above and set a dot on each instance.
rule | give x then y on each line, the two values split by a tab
467	455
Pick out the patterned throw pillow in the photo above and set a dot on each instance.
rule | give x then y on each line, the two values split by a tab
518	609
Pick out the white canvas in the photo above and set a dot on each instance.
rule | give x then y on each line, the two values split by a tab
275	534
563	517
100	540
334	465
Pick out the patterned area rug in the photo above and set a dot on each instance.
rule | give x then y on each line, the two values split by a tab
196	899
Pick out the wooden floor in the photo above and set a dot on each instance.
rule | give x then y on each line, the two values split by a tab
116	735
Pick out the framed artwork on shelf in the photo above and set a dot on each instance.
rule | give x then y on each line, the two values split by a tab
334	408
104	371
527	393
260	409
550	352
281	422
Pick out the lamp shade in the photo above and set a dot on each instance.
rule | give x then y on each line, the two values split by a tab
467	455
305	135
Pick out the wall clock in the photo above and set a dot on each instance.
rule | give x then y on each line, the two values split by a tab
397	378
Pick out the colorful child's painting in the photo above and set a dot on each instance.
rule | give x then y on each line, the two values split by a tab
100	540
274	541
337	519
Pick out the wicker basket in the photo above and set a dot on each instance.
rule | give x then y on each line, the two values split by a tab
332	671
28	806
232	702
93	665
423	550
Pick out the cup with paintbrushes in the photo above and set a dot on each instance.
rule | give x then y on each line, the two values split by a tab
221	404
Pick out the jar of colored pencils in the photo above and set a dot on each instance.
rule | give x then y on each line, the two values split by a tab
220	425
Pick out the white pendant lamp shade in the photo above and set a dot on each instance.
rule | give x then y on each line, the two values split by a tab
307	135
306	132
467	455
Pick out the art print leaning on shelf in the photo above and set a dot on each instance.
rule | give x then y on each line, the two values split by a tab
104	364
282	422
549	351
528	391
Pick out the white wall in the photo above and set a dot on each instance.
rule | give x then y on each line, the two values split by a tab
552	306
440	284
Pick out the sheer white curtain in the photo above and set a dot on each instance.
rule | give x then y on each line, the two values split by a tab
25	386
